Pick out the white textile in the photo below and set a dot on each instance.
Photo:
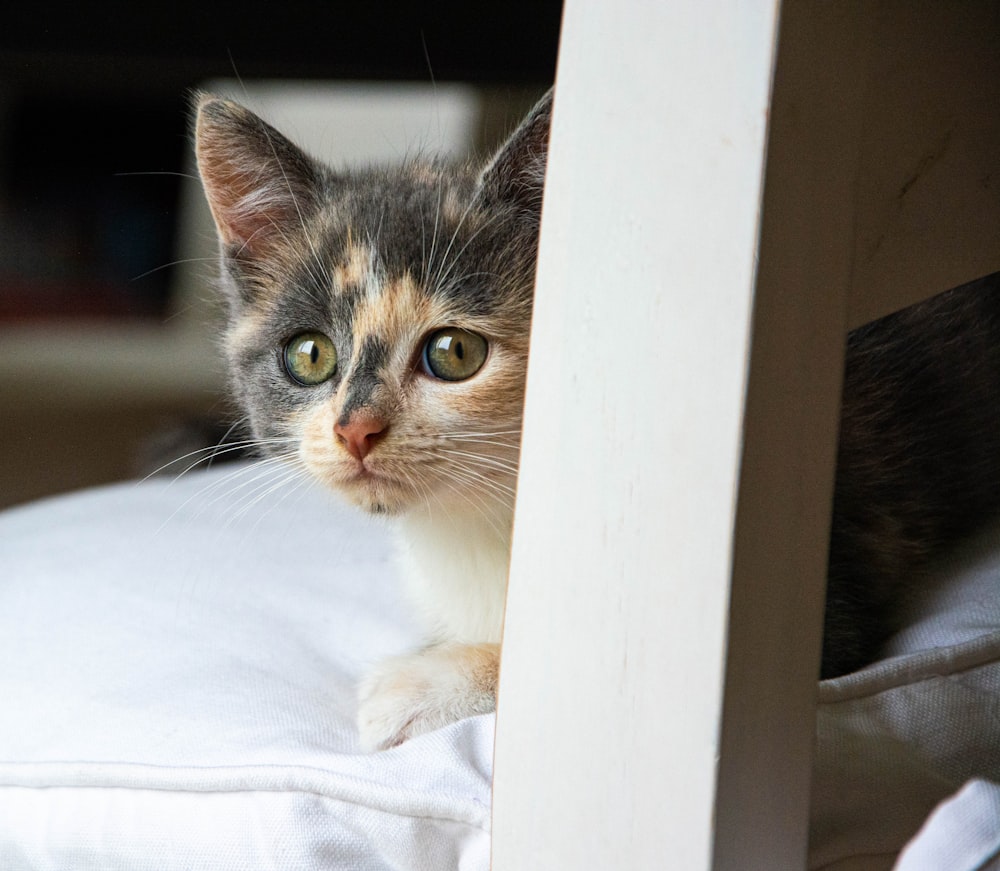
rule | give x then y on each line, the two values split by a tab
900	736
177	672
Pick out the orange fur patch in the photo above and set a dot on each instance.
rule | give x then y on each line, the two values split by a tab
355	265
399	316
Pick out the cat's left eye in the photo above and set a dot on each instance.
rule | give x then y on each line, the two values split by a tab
452	354
309	358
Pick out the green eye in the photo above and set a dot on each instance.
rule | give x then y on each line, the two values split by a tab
310	358
452	354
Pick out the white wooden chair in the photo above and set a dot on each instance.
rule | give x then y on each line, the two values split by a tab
730	188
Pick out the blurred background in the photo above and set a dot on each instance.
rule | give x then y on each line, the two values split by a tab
108	327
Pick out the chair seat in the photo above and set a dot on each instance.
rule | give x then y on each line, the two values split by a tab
178	662
178	671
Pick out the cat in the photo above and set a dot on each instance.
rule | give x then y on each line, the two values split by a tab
379	320
918	460
378	332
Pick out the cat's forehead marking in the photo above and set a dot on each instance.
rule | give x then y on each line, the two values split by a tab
398	311
355	266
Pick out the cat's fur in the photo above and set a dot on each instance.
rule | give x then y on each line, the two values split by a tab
918	463
378	260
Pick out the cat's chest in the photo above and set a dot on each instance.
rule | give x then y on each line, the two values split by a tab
455	564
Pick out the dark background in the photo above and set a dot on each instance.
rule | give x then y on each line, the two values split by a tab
93	105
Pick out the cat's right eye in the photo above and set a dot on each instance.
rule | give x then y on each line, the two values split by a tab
309	358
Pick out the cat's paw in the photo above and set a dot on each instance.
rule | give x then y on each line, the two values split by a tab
409	695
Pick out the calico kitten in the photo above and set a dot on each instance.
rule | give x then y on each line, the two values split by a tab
918	462
379	320
379	323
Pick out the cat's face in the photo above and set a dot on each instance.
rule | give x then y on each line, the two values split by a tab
379	320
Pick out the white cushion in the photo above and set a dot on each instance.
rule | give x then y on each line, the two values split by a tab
177	670
963	834
898	737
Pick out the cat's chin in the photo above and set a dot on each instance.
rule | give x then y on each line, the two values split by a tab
381	507
374	491
379	497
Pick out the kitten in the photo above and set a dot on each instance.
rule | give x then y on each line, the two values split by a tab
379	320
918	461
379	323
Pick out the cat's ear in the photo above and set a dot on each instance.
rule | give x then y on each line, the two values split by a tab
258	184
516	174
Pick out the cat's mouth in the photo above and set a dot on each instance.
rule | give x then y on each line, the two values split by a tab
374	489
365	473
371	483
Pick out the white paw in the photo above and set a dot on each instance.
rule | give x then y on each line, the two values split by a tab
409	695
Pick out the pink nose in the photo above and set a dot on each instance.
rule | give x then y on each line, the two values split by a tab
359	435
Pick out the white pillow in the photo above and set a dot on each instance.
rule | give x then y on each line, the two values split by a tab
177	670
900	736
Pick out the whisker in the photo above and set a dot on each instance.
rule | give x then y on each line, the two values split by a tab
306	481
443	274
475	499
444	260
458	280
212	451
475	434
263	468
206	489
237	480
163	266
186	175
514	446
264	491
423	249
475	476
485	462
479	479
434	235
291	192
